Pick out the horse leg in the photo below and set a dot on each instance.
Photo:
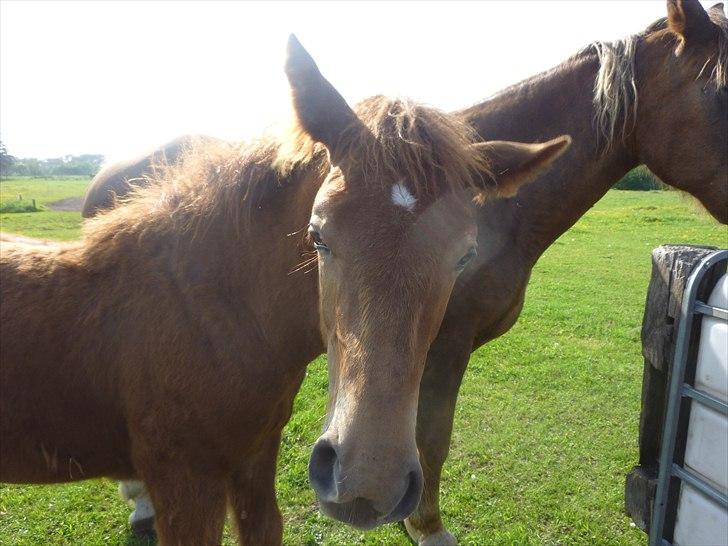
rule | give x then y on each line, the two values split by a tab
142	518
188	498
446	363
252	498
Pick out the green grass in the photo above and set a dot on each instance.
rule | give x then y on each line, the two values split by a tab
43	190
45	224
22	205
546	426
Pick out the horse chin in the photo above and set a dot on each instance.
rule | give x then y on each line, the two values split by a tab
358	513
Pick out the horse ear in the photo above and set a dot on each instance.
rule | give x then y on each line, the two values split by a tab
717	8
688	19
514	164
321	111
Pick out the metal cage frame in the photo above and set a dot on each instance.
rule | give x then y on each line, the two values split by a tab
670	471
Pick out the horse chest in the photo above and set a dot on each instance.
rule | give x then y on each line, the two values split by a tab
499	300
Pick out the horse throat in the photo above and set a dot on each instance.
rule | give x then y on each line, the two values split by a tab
556	102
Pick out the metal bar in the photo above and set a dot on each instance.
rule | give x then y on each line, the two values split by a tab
706	399
711	311
669	430
705	488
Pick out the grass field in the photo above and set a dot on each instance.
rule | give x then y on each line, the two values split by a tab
46	223
546	426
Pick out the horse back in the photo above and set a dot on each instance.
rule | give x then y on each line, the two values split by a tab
117	179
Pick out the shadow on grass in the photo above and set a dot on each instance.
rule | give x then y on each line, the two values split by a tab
134	540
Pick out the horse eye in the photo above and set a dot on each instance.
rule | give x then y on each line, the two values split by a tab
318	243
466	259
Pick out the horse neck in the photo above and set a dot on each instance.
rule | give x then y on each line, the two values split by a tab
250	279
543	107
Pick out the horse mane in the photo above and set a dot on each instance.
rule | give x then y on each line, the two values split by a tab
432	150
615	90
209	179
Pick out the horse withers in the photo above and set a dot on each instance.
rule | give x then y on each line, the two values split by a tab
169	342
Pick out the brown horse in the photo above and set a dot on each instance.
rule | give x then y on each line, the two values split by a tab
169	342
657	98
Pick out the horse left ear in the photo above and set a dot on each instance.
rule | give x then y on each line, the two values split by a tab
321	111
688	19
514	164
717	8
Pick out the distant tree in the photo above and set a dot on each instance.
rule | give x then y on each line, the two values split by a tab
69	165
6	160
33	167
75	168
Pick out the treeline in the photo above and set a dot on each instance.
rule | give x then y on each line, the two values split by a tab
69	165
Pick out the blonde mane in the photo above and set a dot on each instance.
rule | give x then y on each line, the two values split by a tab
615	89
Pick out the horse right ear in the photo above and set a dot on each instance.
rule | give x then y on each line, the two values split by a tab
514	164
689	20
321	111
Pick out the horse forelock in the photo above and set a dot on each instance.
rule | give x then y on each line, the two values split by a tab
430	150
396	139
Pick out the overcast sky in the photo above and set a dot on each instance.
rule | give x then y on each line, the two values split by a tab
118	78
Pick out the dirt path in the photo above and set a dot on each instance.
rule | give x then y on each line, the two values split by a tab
70	204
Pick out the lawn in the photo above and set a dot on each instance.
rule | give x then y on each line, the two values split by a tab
546	427
46	223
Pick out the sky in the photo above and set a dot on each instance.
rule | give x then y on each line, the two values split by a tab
120	78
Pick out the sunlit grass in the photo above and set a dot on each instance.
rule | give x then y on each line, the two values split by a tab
546	425
46	223
43	190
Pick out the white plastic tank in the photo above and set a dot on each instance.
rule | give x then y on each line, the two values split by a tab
700	521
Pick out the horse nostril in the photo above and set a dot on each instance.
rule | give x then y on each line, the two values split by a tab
411	497
322	471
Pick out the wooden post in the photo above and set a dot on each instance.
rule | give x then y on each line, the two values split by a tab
671	267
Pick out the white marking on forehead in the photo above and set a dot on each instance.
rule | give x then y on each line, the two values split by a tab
402	197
